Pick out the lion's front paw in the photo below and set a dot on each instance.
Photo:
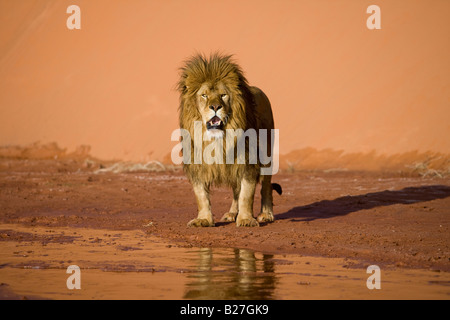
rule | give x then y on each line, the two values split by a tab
200	223
247	223
229	216
265	217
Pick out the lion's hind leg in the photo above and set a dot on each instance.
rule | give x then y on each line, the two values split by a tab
234	209
229	216
266	214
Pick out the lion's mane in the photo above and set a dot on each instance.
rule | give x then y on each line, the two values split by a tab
218	68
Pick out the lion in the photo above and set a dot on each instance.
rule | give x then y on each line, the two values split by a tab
215	92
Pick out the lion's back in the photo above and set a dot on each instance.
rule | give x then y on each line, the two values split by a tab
263	109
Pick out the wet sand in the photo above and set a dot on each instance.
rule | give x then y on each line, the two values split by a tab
127	232
133	265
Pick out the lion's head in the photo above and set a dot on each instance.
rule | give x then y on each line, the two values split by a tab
215	92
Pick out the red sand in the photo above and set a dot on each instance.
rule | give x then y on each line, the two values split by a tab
392	218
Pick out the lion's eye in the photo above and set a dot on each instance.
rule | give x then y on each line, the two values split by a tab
204	96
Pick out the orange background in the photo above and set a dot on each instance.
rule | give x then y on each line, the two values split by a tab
333	83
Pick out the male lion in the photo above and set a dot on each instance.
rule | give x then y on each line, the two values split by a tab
215	92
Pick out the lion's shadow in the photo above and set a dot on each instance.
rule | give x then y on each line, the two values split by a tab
344	205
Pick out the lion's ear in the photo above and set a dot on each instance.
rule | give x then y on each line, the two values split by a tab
183	89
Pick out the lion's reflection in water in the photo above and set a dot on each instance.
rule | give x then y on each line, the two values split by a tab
231	274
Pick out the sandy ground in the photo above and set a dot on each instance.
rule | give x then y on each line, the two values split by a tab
381	218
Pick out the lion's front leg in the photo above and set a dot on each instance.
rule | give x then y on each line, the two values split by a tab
245	216
204	217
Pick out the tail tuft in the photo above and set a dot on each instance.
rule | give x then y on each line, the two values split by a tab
277	188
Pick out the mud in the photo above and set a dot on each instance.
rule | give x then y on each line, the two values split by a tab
127	232
133	265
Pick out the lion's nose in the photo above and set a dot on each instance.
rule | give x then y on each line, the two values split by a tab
215	107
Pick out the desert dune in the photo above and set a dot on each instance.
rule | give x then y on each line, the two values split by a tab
333	83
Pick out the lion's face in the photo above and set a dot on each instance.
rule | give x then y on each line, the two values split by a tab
213	102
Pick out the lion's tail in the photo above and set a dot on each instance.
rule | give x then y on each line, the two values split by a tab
277	188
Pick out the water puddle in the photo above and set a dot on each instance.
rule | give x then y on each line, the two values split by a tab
133	265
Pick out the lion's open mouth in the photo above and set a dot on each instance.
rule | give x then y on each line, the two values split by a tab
214	123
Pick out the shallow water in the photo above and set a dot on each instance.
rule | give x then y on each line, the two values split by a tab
133	265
